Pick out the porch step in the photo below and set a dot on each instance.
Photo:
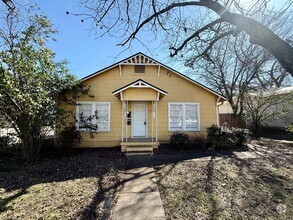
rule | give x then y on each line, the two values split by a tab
137	153
139	144
139	150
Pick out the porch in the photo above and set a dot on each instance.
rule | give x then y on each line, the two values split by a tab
139	146
139	116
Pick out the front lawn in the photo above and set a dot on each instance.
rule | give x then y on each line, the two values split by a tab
70	187
230	188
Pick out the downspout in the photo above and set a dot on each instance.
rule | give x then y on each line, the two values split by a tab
217	111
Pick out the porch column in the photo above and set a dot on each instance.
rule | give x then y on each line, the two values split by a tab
156	111
123	119
153	118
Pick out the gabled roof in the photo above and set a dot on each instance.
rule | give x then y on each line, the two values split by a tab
142	59
140	84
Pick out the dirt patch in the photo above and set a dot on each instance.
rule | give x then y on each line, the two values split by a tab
230	188
70	187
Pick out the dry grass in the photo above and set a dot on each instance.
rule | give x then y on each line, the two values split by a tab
230	188
72	187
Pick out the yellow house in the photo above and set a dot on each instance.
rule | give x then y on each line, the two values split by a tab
141	102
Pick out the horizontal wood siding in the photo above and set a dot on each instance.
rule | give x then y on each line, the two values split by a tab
178	88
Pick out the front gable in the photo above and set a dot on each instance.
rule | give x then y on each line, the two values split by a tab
125	71
139	90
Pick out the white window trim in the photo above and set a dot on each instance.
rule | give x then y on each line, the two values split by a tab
93	112
184	115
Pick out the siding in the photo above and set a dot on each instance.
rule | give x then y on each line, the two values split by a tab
178	88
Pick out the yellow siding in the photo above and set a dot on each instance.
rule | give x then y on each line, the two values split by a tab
139	94
178	88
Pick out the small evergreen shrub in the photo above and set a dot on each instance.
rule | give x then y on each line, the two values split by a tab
213	136
199	142
180	140
48	145
242	136
5	142
69	137
227	139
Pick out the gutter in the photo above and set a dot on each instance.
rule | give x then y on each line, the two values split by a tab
217	111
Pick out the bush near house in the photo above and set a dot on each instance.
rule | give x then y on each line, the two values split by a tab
69	137
180	140
226	139
217	139
198	142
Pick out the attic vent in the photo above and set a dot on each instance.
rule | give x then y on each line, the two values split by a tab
139	68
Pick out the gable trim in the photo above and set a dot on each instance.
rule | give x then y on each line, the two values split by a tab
139	84
123	62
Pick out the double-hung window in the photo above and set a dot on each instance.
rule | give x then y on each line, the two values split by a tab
184	117
94	115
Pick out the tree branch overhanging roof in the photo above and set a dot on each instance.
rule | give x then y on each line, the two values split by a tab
150	61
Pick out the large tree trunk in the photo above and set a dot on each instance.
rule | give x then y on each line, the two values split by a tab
259	34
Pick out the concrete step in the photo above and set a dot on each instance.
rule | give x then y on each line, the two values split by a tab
136	153
139	144
138	148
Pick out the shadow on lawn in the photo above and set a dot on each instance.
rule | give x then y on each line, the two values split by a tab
17	178
260	186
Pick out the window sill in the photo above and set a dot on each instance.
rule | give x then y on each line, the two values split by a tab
174	130
83	130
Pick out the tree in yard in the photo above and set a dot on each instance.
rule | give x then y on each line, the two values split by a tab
235	65
262	106
30	78
179	19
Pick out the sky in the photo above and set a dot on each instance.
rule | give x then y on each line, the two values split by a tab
86	53
75	43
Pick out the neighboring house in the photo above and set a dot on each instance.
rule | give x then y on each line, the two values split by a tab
140	101
226	111
284	120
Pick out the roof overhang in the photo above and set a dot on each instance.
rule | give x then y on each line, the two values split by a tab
142	59
142	91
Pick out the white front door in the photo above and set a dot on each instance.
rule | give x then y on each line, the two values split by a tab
139	119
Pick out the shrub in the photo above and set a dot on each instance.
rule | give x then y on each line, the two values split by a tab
69	137
48	145
228	139
198	142
5	142
242	136
180	140
213	136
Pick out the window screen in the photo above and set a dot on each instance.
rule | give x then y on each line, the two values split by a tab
183	117
94	114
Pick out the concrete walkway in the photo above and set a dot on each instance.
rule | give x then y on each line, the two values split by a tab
139	197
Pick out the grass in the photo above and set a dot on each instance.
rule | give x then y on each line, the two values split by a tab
230	188
70	187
